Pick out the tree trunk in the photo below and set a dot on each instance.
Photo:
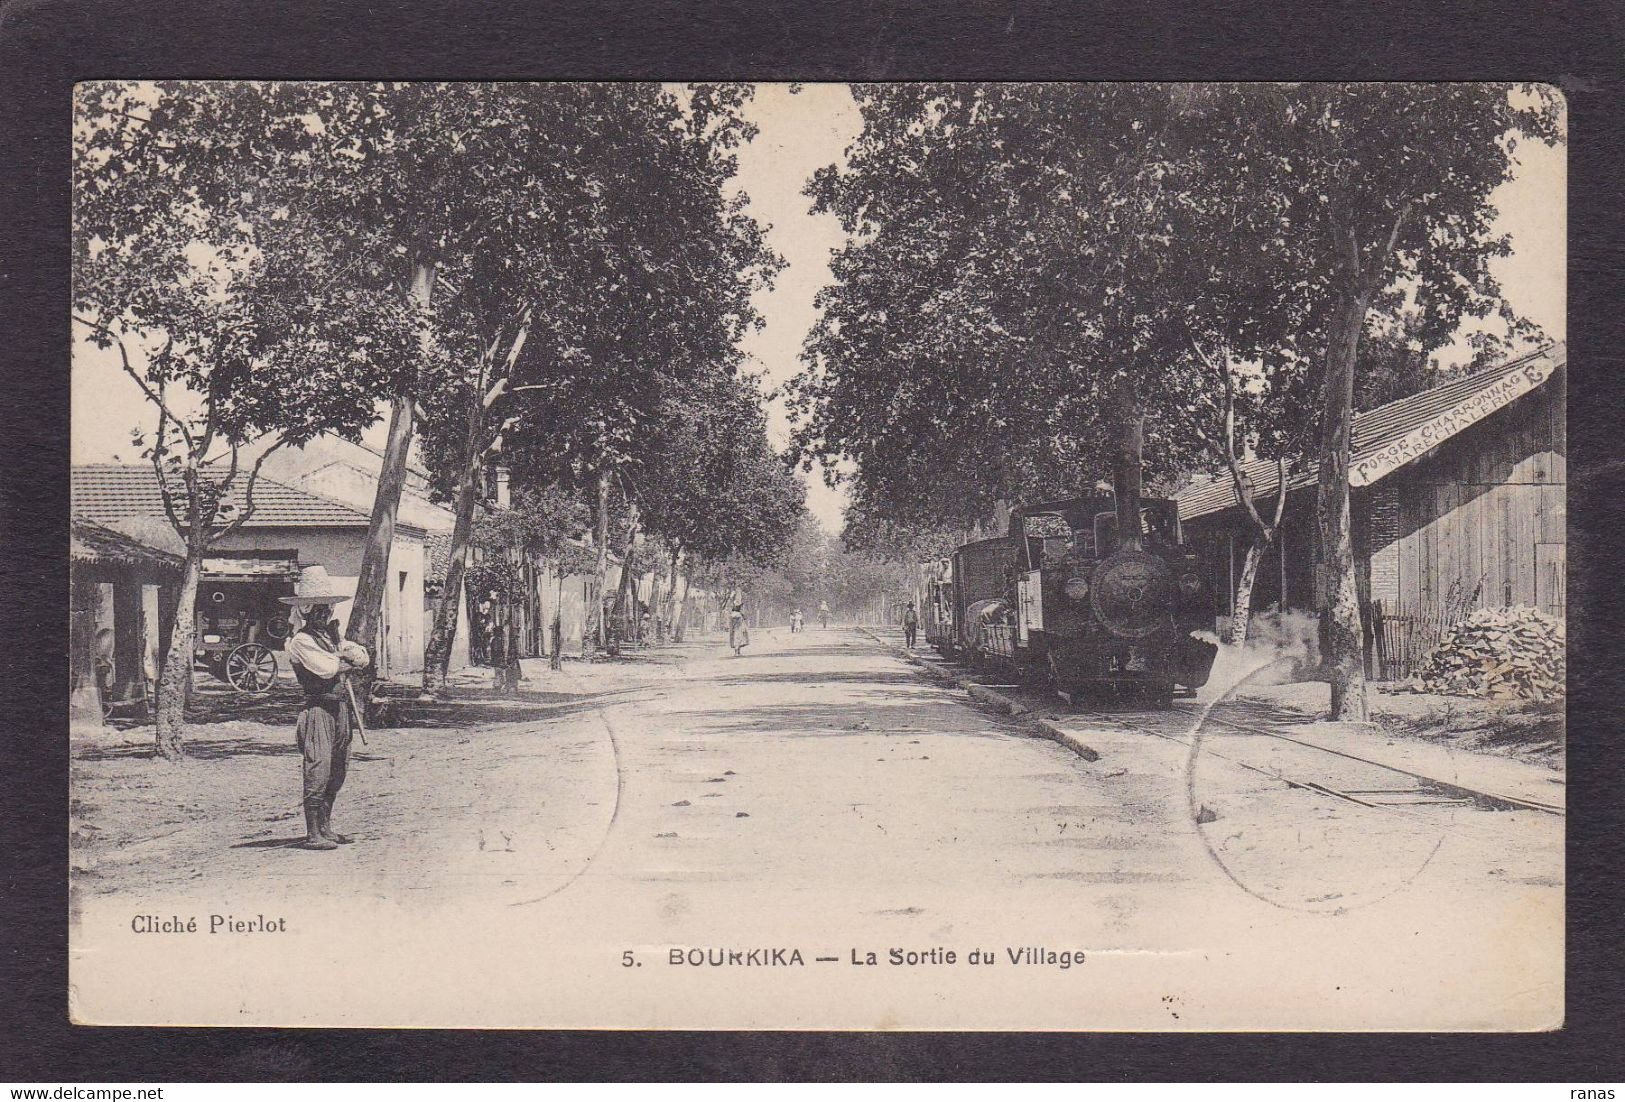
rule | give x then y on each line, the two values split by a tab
657	578
373	582
600	630
679	600
437	657
1126	468
1341	653
555	657
1241	615
175	679
443	635
663	616
508	674
626	593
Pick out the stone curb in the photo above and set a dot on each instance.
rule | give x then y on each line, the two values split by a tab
979	692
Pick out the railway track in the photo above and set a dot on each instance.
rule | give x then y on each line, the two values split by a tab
1351	777
1385	785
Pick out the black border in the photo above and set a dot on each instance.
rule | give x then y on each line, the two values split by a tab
45	45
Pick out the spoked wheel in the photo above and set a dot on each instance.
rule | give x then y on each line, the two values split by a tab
251	668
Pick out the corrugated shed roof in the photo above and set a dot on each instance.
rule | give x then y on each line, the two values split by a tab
1374	430
93	544
107	492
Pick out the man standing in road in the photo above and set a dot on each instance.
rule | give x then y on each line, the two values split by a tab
823	613
911	624
321	660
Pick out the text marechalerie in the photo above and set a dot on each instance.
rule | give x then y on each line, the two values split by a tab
748	958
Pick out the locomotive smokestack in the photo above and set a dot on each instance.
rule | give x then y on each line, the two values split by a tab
1126	468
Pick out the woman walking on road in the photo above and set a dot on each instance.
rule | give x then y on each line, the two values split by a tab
738	633
321	661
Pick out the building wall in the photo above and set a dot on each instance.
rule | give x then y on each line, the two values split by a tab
339	551
356	485
1486	512
572	598
346	472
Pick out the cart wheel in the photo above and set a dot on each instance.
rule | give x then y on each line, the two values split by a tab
251	668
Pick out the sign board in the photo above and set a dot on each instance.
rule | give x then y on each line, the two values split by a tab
1429	435
220	568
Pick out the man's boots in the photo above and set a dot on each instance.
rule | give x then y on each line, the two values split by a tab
326	825
314	837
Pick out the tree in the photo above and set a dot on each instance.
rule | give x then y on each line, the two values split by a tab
1389	197
997	327
539	525
720	496
398	163
194	259
659	334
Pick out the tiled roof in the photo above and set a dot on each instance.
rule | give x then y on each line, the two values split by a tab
107	492
436	556
91	543
1374	430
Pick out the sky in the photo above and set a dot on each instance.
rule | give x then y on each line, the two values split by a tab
797	135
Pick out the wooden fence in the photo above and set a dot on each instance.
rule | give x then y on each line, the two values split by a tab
1399	635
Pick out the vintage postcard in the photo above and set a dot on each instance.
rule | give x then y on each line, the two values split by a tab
957	556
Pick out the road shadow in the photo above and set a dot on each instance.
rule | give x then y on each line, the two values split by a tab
201	749
869	715
280	709
271	843
854	677
461	713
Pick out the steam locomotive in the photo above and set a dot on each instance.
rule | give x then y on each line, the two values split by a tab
1058	600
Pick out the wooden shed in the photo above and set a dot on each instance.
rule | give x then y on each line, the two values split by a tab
116	577
1457	503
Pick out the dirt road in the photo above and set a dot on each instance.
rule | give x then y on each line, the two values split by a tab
767	823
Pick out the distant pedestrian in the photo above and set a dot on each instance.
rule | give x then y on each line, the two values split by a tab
322	661
796	621
823	613
738	632
911	624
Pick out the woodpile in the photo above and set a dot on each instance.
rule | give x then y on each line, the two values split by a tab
1497	654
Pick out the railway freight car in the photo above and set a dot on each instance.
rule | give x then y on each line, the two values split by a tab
937	604
981	577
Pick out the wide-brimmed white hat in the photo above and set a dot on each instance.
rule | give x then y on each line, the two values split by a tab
314	588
